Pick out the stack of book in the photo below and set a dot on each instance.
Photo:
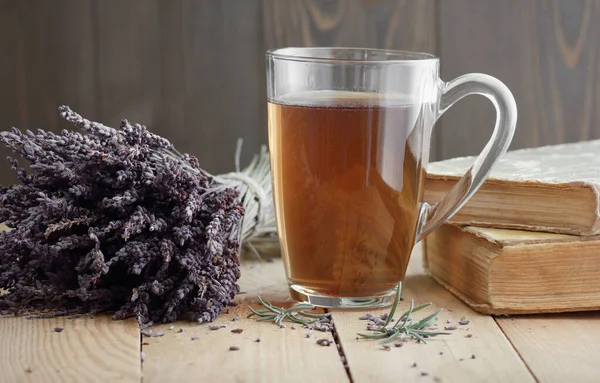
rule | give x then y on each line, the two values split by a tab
528	241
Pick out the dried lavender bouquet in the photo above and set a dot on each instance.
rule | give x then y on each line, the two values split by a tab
118	220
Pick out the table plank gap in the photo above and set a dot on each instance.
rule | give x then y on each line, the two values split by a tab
517	350
445	358
557	347
90	350
283	354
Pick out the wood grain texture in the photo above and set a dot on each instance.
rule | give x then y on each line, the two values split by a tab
224	91
557	348
283	354
546	52
393	24
128	61
446	358
87	350
46	59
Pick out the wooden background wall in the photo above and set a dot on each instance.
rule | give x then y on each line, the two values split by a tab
193	71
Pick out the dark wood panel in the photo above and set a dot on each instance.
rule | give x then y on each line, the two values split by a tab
224	82
547	53
128	59
46	56
397	24
11	74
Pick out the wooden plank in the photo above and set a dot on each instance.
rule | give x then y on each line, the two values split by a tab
47	60
128	61
546	52
224	87
446	358
281	355
392	24
557	348
87	350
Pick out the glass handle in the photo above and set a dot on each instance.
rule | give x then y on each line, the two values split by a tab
506	120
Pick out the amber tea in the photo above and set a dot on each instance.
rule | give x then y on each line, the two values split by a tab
349	132
347	182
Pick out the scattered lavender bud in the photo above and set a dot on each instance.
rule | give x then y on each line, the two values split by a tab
146	333
469	336
367	316
214	327
414	364
194	338
158	334
237	330
323	342
378	321
309	334
180	330
384	316
171	327
441	352
324	320
473	356
269	260
448	320
463	322
450	328
58	329
424	373
235	318
398	344
234	348
257	340
223	326
293	327
281	325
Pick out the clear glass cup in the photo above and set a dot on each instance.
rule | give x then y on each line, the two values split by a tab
349	137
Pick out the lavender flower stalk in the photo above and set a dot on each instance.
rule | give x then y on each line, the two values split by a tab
118	220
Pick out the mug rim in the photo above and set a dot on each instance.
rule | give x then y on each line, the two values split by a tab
311	55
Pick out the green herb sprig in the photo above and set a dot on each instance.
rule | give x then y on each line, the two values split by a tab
294	314
405	324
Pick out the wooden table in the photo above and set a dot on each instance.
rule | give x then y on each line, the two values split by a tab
548	348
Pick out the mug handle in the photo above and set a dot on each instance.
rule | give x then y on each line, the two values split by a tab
506	121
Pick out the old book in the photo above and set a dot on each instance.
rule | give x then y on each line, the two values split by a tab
552	188
504	271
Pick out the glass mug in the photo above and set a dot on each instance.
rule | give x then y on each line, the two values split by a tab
349	137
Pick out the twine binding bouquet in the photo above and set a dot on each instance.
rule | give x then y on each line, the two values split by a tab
118	220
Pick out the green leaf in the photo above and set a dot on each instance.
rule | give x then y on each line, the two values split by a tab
424	322
373	336
394	306
392	337
311	315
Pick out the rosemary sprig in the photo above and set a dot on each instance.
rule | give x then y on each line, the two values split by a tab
404	326
294	314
